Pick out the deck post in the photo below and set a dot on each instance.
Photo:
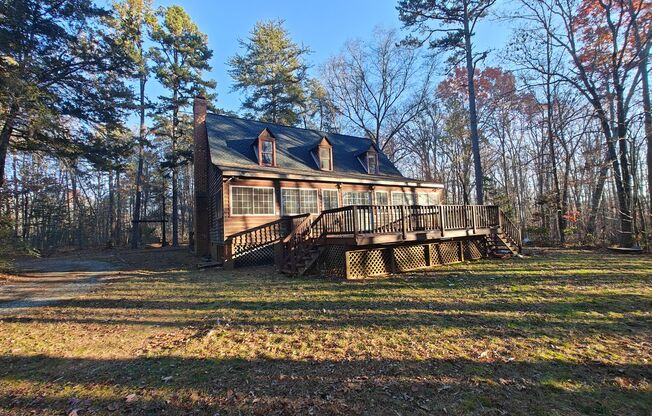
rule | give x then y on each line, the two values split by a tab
473	209
355	222
229	263
403	222
441	219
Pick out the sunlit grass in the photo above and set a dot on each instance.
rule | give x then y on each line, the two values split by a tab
557	333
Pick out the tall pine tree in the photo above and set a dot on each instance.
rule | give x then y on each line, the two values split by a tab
181	54
455	22
59	65
131	21
272	73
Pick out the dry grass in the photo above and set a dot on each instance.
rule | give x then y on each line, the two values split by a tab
561	333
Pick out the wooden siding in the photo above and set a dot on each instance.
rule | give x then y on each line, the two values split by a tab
216	203
233	224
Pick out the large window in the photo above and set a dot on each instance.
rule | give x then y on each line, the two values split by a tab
299	201
382	198
329	199
428	198
356	198
403	198
247	200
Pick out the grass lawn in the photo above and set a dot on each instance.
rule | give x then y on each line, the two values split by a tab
558	333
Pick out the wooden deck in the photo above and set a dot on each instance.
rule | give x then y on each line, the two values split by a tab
299	240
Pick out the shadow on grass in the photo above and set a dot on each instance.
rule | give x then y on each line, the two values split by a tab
359	386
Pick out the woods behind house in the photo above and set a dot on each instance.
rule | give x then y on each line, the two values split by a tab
555	127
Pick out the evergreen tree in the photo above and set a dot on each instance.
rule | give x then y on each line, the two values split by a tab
272	73
131	22
181	55
61	71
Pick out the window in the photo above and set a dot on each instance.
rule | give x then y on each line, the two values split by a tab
382	198
266	148
428	198
325	162
403	198
247	200
299	201
329	199
356	198
372	163
267	152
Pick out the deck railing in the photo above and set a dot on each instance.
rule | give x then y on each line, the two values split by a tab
300	234
359	219
242	243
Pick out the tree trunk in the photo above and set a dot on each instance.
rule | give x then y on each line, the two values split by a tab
5	135
473	117
135	225
111	222
643	51
175	173
118	224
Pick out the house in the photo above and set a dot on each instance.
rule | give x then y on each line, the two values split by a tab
260	185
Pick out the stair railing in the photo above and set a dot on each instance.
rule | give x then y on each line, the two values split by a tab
301	241
241	243
510	230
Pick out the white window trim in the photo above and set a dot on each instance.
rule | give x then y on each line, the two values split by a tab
414	196
429	194
366	192
389	201
251	215
300	189
323	208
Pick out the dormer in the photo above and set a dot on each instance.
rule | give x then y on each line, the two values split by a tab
265	148
369	160
323	154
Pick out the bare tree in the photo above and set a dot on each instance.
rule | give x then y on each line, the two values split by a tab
378	87
456	21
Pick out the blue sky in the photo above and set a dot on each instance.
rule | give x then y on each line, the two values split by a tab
323	26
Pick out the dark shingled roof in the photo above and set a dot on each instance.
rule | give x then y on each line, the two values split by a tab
231	140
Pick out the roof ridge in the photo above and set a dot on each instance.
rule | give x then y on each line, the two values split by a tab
320	132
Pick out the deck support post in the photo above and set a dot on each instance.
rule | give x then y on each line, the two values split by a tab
355	222
441	219
229	263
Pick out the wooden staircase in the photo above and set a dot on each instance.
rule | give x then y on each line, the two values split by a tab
303	246
504	239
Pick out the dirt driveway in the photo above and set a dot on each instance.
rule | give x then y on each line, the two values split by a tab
42	282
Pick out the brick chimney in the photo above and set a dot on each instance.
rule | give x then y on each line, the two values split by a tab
201	164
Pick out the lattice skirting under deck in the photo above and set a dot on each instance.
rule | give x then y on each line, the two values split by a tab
257	256
355	263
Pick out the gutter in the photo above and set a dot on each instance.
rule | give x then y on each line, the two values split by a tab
311	178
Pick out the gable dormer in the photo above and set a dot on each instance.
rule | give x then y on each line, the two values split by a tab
369	160
265	148
323	154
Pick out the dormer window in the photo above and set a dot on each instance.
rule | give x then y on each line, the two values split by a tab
266	148
323	154
372	163
325	159
267	152
369	160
